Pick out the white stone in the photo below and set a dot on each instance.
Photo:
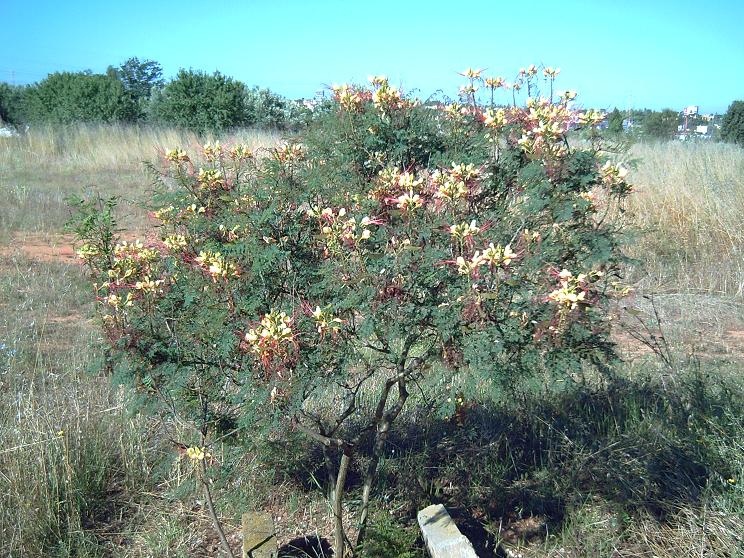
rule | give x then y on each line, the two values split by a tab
442	537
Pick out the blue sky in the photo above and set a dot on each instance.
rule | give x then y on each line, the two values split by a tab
624	53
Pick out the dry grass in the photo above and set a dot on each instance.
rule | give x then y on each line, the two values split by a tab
690	208
40	169
110	148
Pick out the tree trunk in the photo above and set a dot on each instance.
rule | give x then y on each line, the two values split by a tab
338	500
331	472
384	423
212	513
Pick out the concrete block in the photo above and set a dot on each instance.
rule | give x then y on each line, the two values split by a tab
259	536
442	537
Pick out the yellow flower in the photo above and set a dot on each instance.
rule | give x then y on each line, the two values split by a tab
240	152
495	82
408	201
212	151
175	242
471	73
165	214
498	256
176	156
148	285
571	291
508	255
551	73
466	90
464	172
325	321
466	267
87	252
494	118
214	263
591	117
195	453
274	329
211	178
464	230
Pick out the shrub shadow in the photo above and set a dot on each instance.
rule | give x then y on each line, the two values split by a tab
533	457
309	546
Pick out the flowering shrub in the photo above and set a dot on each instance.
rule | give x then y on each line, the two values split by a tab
400	242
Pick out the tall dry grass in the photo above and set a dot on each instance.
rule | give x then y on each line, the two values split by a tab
114	147
689	208
40	169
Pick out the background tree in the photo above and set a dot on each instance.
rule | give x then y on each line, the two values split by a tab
69	98
615	122
266	109
11	103
139	78
732	125
661	125
201	102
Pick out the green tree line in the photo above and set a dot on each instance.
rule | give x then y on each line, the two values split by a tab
135	92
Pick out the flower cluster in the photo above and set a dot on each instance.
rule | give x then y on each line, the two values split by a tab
495	119
117	302
177	155
272	337
572	290
613	176
454	184
290	154
494	82
493	256
385	97
193	210
165	214
131	261
591	117
233	233
148	285
240	152
390	182
196	454
464	231
544	126
212	151
408	202
325	321
175	242
338	228
530	71
551	73
88	252
211	179
216	266
350	98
